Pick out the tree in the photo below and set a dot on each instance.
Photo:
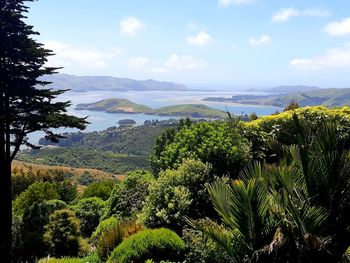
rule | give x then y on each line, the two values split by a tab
129	196
89	211
25	105
63	233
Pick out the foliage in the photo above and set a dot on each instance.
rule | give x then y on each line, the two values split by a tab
214	142
84	157
89	211
26	105
110	238
201	249
157	244
176	194
137	140
34	220
102	226
92	258
63	233
128	197
291	211
22	180
282	128
36	193
101	189
292	106
110	232
86	179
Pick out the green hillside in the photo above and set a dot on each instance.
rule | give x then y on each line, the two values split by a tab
325	97
115	105
127	106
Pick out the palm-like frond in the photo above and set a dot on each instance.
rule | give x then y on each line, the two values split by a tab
228	240
243	206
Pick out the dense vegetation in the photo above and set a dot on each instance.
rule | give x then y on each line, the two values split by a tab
282	196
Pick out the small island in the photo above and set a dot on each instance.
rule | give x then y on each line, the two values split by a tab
127	106
126	122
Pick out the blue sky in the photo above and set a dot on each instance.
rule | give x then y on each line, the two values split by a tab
209	43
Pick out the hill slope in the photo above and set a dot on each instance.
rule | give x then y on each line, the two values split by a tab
326	97
95	83
127	106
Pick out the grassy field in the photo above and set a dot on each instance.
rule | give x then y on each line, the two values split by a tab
98	174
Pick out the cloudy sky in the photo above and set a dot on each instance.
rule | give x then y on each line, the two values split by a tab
214	43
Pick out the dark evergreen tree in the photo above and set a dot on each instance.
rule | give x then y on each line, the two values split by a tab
25	105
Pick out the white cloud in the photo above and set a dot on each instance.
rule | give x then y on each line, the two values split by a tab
338	28
225	3
67	55
137	62
183	62
285	14
130	26
174	62
263	40
334	58
201	39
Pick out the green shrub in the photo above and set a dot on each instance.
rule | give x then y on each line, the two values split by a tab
62	234
128	197
89	211
281	127
110	238
36	193
102	226
101	189
177	194
201	249
92	258
109	233
216	143
157	244
86	179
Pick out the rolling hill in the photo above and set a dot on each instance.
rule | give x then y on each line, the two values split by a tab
127	106
107	83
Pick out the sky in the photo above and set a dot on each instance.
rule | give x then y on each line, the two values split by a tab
200	43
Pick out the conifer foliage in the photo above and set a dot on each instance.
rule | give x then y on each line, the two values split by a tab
25	104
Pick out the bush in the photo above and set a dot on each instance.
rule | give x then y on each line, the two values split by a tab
102	226
177	194
201	249
110	238
281	127
216	143
36	193
62	234
109	233
101	189
89	211
157	244
86	179
128	197
92	258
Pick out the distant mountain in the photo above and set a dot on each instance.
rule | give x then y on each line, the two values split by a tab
127	106
99	83
289	89
326	97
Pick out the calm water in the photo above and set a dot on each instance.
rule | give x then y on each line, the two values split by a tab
155	99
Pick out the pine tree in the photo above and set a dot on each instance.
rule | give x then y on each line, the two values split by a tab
26	105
